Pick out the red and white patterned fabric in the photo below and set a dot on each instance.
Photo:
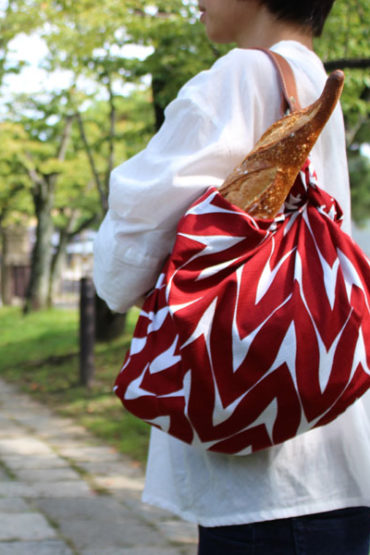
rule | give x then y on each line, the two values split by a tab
257	330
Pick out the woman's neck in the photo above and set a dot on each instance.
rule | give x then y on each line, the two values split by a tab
267	31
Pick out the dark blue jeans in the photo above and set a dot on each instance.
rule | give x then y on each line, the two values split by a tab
342	532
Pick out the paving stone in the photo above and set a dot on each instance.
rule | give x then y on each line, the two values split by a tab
89	453
16	462
25	526
95	509
9	429
121	467
133	501
15	489
6	388
34	548
4	476
20	407
189	550
99	523
47	426
39	447
120	483
73	488
47	474
55	434
38	416
179	531
153	514
36	421
130	498
63	425
86	534
24	446
13	505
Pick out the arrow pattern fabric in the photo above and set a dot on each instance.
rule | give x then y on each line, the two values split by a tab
257	330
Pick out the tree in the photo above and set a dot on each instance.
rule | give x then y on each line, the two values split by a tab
16	17
346	45
14	197
76	208
50	171
44	164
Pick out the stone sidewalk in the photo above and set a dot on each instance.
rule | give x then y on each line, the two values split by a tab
62	492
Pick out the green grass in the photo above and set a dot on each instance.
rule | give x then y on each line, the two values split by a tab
39	353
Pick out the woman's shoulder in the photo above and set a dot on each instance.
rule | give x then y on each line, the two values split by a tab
238	72
243	63
251	66
240	57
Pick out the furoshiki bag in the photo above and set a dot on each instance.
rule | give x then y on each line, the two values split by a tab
258	329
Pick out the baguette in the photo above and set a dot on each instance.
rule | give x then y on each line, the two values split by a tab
261	183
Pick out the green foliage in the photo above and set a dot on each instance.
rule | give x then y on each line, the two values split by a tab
346	33
34	149
180	46
347	36
134	127
17	17
359	167
15	200
135	124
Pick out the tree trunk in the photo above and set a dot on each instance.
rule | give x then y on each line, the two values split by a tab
6	277
43	198
38	289
57	265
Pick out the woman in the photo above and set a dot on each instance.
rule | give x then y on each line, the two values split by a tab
311	494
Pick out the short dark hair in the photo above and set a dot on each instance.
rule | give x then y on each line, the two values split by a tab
310	13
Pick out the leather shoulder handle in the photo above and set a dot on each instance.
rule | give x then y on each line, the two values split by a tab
287	80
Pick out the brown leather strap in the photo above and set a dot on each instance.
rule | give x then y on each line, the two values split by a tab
287	80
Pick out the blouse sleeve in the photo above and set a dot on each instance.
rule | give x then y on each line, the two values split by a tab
150	192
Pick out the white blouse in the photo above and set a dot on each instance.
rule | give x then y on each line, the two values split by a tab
209	128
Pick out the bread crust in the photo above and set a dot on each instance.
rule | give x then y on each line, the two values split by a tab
261	183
